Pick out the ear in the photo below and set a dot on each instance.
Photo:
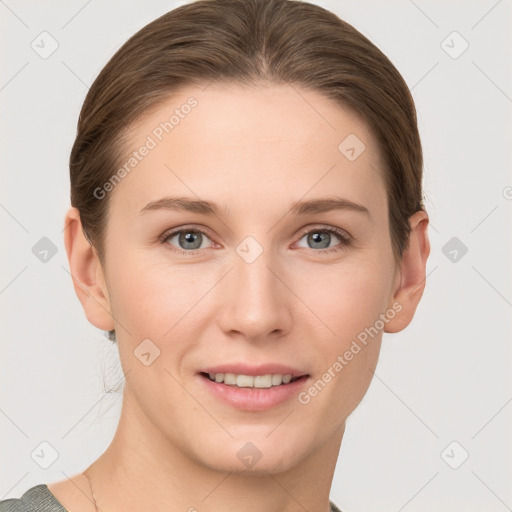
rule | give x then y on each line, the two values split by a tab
87	273
410	281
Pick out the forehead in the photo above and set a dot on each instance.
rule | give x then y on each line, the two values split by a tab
252	145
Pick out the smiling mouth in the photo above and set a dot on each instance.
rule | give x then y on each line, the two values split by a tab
250	381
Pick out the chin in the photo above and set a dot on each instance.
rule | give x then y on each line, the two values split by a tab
251	454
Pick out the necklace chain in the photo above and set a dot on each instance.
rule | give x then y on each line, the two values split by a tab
92	491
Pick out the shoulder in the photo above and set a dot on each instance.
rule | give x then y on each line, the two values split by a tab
37	498
40	499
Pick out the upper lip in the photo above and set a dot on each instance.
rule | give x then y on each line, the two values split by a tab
262	369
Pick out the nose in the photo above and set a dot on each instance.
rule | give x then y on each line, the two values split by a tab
255	302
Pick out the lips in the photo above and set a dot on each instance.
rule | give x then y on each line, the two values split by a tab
253	399
254	370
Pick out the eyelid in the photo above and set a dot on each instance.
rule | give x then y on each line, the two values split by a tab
187	227
326	227
346	238
190	227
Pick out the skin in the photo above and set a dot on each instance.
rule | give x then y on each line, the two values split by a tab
256	150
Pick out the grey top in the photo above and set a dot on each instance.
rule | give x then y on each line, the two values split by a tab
37	498
40	499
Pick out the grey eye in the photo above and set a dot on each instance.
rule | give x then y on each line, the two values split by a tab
188	239
320	239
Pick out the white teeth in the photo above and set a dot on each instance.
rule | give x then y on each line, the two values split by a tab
230	378
263	381
249	381
244	381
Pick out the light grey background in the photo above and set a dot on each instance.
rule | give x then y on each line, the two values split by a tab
445	378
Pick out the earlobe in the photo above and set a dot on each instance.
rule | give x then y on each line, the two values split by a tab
412	273
87	273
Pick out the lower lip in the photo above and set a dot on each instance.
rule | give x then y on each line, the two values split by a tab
254	399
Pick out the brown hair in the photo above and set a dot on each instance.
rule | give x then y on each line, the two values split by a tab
247	41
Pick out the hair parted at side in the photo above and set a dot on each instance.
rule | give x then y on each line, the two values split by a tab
247	42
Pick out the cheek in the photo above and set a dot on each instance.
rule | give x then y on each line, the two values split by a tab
149	298
347	299
348	347
337	301
348	302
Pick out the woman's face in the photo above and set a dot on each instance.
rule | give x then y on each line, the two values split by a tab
252	282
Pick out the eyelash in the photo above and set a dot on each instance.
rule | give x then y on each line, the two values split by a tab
346	241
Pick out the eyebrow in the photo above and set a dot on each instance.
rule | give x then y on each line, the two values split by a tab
204	207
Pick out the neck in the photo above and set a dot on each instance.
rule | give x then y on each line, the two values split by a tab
142	470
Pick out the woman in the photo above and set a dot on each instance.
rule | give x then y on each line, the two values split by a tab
247	220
